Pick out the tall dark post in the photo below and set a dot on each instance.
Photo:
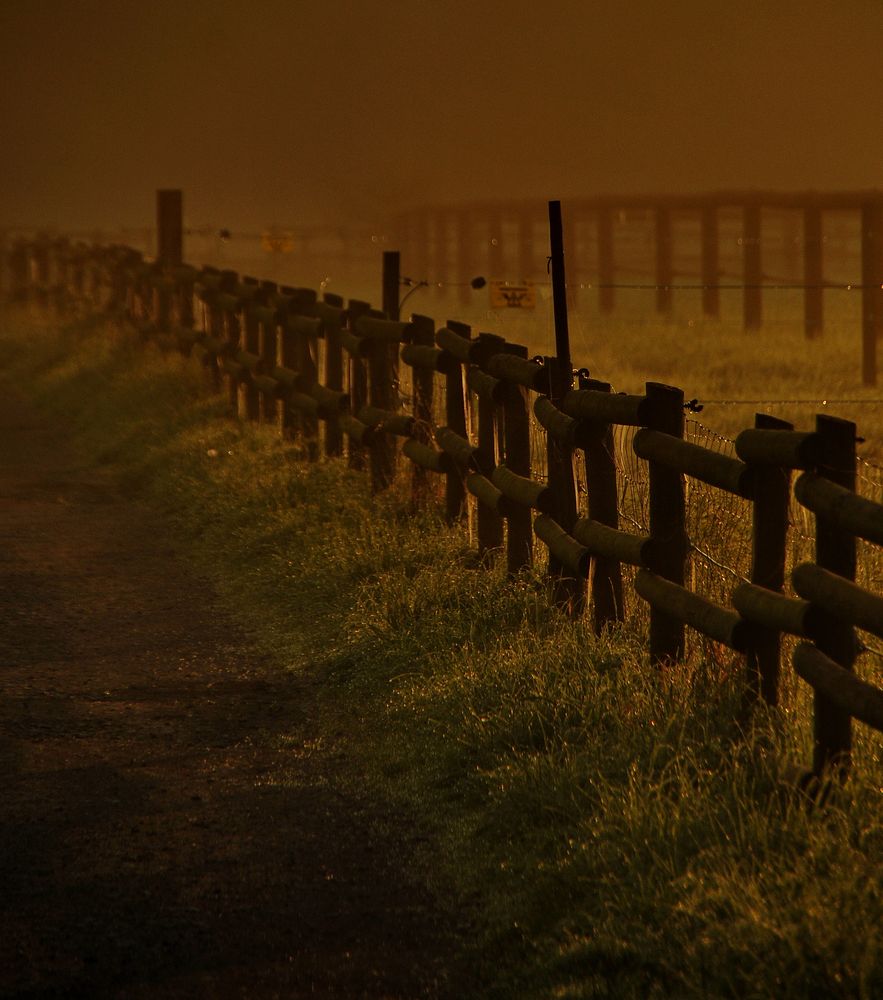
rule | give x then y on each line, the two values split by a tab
836	552
455	418
710	260
606	580
569	591
391	283
559	291
752	272
769	540
667	522
664	267
813	277
169	227
872	287
516	421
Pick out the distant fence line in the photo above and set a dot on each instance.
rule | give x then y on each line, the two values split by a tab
498	239
438	406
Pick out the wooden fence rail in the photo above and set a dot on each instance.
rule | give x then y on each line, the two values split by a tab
455	413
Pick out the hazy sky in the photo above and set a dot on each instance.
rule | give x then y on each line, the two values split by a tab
266	111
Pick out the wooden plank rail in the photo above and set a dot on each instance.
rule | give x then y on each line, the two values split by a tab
682	605
839	597
711	467
841	506
281	354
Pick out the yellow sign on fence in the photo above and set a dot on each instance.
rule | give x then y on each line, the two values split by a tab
276	242
508	295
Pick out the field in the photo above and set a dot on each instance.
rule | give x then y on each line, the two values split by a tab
611	831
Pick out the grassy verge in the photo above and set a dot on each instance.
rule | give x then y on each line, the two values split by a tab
614	832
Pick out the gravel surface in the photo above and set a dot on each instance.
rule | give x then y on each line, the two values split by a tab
173	823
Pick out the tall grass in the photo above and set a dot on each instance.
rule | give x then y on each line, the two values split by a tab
613	831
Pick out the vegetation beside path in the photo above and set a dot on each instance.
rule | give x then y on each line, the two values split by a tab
615	832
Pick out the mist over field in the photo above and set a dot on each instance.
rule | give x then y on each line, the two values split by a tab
343	112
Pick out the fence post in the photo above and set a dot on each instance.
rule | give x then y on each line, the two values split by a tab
169	227
423	383
664	267
606	574
710	260
516	438
358	379
249	407
813	272
267	334
230	325
490	524
752	270
836	552
455	418
606	263
332	313
383	363
769	541
668	526
872	287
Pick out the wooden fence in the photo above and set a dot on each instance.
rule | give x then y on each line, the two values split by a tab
462	417
497	239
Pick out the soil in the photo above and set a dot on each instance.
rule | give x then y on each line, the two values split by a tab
173	821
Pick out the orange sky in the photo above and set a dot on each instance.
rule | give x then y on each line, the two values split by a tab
272	111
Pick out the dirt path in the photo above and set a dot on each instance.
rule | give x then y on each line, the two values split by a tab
149	846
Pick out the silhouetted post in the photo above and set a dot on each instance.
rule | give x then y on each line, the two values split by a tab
267	327
813	277
667	522
490	524
752	272
569	591
455	418
769	541
169	227
836	552
664	267
872	287
519	541
423	388
606	577
358	380
710	260
606	264
332	314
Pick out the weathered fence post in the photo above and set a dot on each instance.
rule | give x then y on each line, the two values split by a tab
606	574
752	270
519	536
569	591
358	382
455	418
490	524
668	530
332	314
872	287
169	227
423	382
836	552
383	365
769	541
268	410
813	272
